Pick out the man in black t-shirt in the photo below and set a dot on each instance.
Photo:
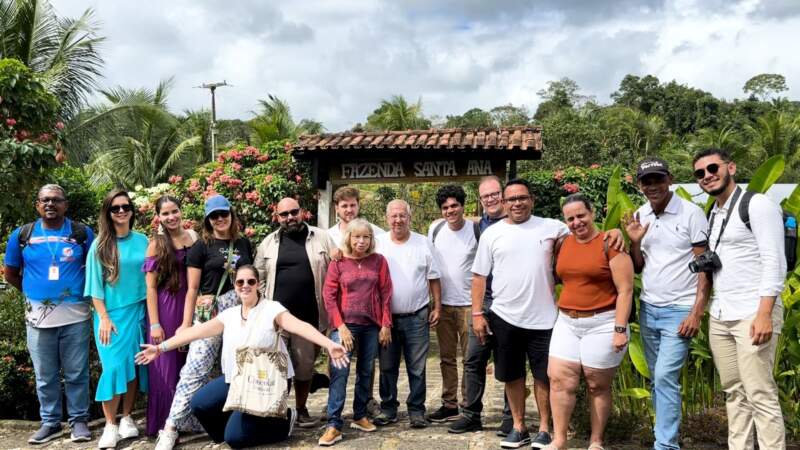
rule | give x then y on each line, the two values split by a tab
292	263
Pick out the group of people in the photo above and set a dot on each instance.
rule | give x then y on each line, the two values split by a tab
167	310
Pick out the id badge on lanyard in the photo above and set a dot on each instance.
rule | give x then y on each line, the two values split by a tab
53	273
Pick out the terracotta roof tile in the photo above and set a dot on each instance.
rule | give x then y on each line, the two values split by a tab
526	138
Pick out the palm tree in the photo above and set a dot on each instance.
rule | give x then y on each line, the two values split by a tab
274	122
63	51
397	114
141	142
777	133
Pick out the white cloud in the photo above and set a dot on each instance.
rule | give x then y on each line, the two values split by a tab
335	61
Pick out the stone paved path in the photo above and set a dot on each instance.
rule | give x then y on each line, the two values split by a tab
13	434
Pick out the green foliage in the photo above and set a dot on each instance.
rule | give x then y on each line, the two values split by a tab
17	381
474	118
767	174
84	197
274	122
765	85
397	114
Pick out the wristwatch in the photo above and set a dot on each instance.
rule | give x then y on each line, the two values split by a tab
620	329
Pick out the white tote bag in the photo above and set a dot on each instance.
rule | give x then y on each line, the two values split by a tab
260	385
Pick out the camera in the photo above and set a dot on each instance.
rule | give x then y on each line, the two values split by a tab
707	261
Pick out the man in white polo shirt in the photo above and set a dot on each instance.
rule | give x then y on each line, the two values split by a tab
518	252
746	308
455	240
416	305
666	233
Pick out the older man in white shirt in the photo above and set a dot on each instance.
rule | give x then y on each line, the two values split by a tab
416	304
746	309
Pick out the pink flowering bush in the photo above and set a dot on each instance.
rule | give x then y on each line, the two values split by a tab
253	179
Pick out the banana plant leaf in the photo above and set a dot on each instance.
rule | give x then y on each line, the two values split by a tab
767	174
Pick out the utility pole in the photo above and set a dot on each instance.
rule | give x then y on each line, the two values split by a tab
213	87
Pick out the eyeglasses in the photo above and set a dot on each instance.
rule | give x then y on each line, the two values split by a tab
517	199
53	200
219	215
250	282
711	169
492	195
119	209
291	212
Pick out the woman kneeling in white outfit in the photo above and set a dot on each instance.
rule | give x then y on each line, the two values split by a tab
236	428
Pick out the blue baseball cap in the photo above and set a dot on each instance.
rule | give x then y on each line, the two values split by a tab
217	203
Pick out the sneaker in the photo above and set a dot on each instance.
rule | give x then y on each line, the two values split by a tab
373	408
444	414
516	439
127	428
418	421
465	424
541	440
319	381
363	424
505	427
304	420
166	439
45	433
291	413
80	432
330	437
383	419
110	437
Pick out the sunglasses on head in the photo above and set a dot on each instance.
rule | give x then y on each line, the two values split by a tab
250	282
117	209
291	212
711	169
219	214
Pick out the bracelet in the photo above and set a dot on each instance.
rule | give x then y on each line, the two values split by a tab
476	314
163	347
155	326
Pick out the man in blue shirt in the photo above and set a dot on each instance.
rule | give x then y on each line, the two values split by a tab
45	260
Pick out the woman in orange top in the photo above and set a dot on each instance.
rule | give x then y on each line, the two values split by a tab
591	331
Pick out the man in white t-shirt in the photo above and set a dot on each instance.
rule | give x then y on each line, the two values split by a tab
746	308
415	279
455	240
346	203
666	233
518	252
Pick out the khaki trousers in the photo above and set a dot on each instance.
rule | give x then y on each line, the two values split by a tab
452	335
745	371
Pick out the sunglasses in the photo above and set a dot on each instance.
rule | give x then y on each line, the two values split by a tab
711	169
291	212
119	209
250	282
219	214
53	200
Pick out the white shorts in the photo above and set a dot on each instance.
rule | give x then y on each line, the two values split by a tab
587	340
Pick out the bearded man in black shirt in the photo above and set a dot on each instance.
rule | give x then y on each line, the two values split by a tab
292	263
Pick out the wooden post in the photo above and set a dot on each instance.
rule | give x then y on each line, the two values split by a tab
324	206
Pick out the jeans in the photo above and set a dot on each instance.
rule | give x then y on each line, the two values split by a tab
235	428
365	338
411	337
53	350
665	352
475	362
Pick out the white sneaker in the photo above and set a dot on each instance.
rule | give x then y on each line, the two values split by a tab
110	437
127	428
166	440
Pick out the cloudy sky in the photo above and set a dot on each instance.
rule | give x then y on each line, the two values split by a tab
333	61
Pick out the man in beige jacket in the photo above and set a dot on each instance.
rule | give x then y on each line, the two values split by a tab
292	262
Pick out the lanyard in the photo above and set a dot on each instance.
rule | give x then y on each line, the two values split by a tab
58	237
727	218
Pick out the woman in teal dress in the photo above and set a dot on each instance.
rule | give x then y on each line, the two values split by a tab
117	286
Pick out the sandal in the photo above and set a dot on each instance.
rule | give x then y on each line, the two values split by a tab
595	446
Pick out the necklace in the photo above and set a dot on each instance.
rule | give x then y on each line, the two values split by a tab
241	311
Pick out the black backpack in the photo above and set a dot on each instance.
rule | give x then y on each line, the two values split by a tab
789	231
78	235
476	228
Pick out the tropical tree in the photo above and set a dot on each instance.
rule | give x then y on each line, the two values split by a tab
397	114
62	51
777	133
765	85
274	122
135	140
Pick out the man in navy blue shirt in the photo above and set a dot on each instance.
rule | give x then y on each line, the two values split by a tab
45	260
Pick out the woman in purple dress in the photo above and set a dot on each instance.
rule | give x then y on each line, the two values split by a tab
166	293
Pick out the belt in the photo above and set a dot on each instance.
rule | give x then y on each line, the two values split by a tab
578	314
411	313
